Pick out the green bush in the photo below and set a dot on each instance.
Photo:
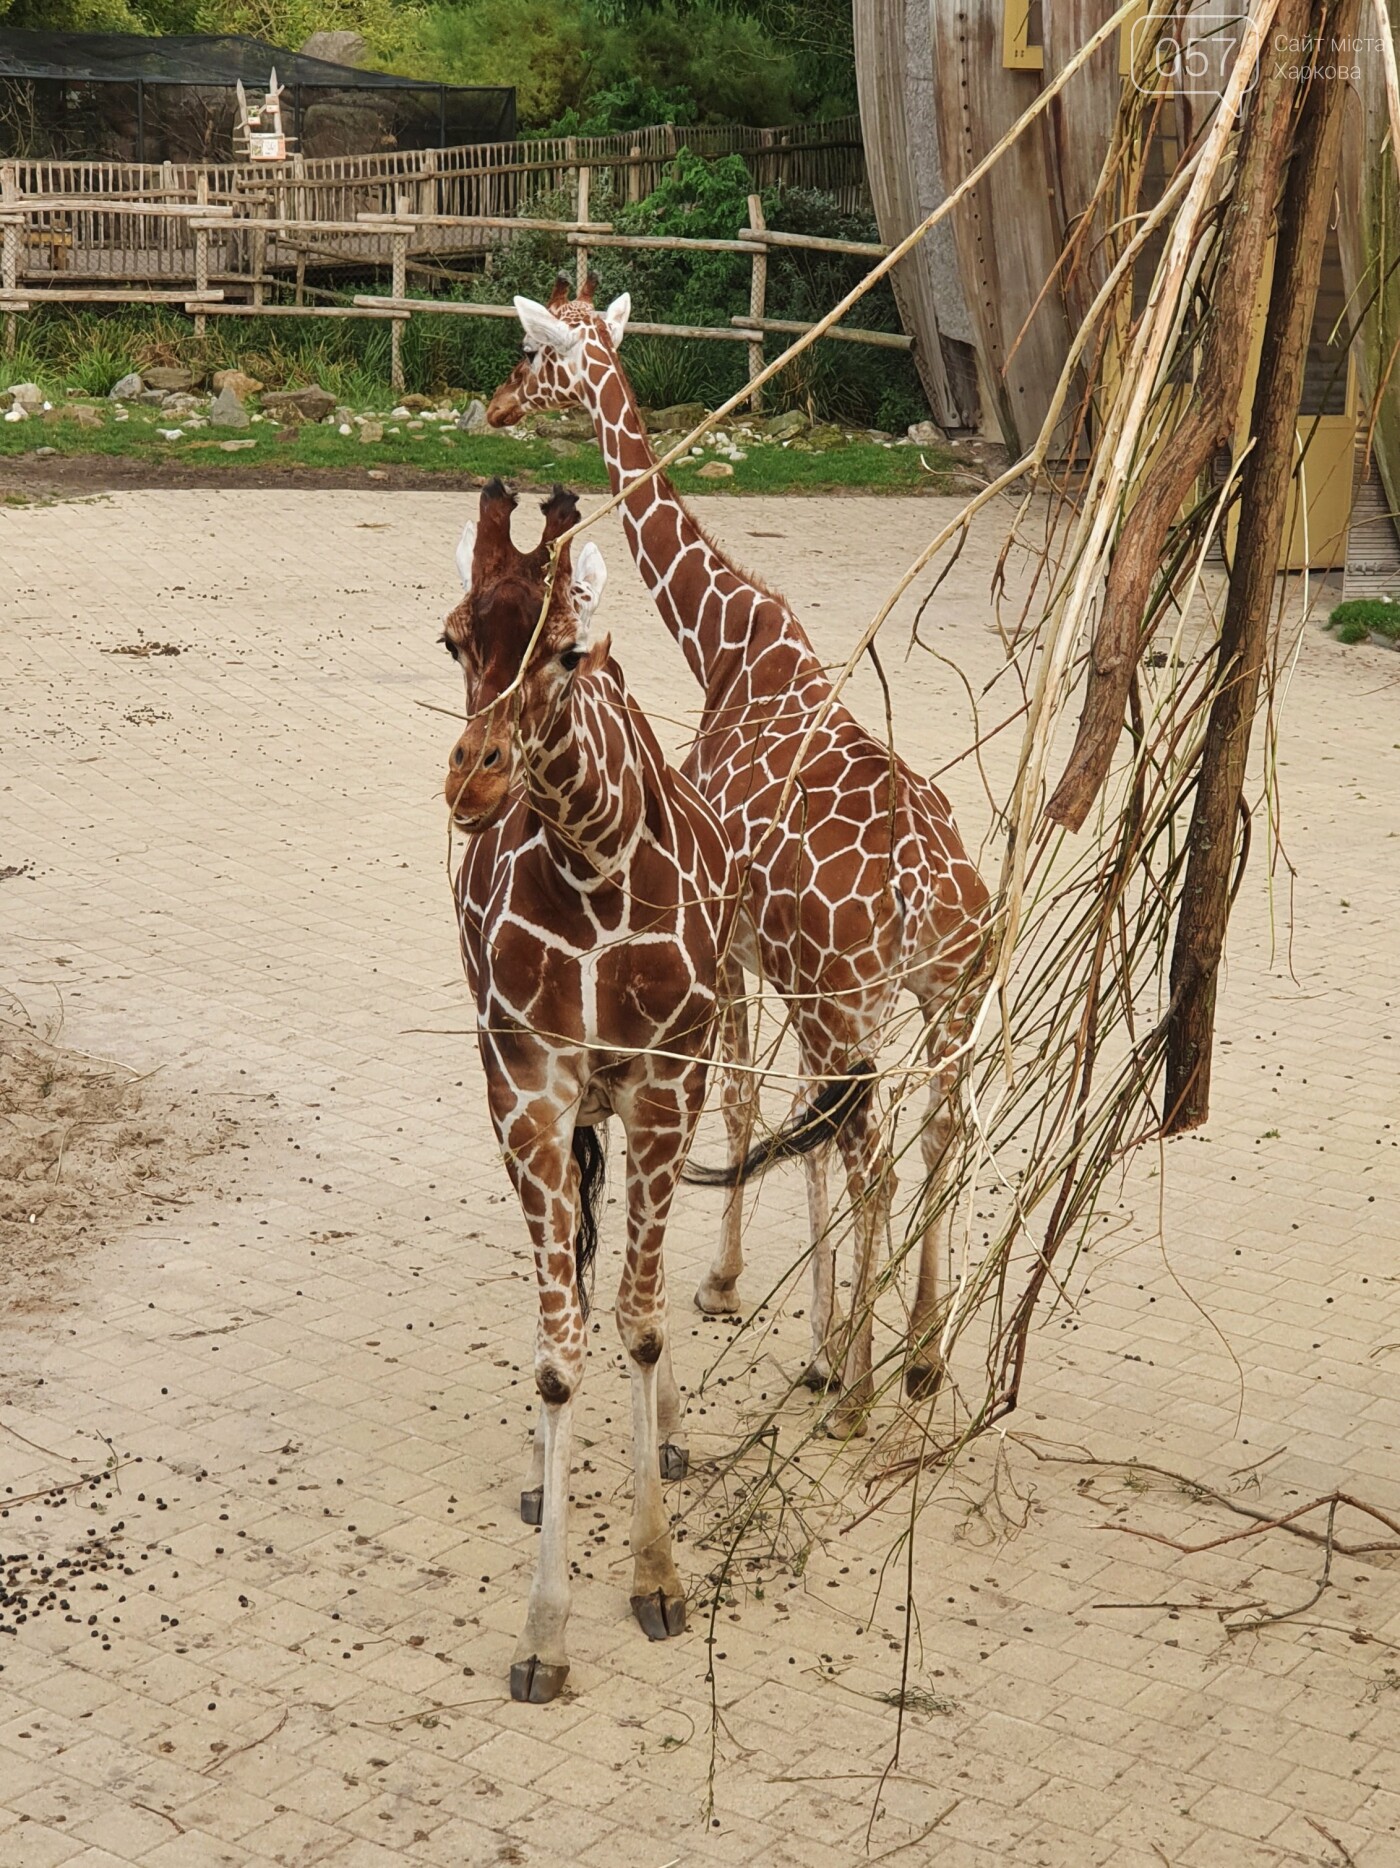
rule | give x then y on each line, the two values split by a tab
861	386
1366	616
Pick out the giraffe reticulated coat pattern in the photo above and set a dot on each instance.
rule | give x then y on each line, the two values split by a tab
594	900
856	884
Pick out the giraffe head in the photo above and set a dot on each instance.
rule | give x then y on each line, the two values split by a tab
557	351
518	670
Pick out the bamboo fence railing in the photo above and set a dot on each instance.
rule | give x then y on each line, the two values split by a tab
225	262
471	197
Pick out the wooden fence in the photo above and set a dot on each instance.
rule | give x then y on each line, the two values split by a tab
82	219
229	257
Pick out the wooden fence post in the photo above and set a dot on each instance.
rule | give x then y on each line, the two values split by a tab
584	178
758	294
399	289
634	173
201	250
9	193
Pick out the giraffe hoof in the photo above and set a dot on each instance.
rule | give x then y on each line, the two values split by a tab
821	1381
848	1423
660	1615
675	1462
532	1506
717	1300
535	1682
922	1384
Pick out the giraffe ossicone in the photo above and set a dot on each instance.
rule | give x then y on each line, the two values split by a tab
857	885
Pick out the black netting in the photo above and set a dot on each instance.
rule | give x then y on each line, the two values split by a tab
119	97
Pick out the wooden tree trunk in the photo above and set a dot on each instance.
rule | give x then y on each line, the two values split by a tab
1207	425
1205	902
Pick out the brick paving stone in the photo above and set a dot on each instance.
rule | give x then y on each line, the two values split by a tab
247	897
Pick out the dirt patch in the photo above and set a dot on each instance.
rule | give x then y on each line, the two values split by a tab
71	475
86	1147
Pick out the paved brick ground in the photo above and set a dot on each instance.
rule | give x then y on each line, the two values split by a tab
315	1572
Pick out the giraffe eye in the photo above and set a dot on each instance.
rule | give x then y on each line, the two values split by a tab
570	658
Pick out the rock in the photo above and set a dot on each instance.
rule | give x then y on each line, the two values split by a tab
926	434
238	382
171	434
372	431
715	470
153	398
878	434
681	415
226	411
16	414
27	396
181	403
42	451
232	447
416	404
472	420
785	426
337	48
825	435
86	417
573	426
377	473
169	379
304	405
127	389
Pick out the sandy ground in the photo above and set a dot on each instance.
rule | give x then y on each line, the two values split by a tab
260	1569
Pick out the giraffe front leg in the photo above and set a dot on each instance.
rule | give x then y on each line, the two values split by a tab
821	1374
537	1145
532	1492
660	1118
718	1295
541	1662
670	1416
923	1372
870	1179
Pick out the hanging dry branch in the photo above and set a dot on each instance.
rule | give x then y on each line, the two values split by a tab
1207	425
1205	900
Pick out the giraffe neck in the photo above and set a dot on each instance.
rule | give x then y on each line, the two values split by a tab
584	779
722	622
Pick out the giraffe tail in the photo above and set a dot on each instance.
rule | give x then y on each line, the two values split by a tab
817	1123
592	1160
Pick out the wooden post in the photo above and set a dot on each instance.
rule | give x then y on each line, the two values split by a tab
1205	897
634	172
400	287
201	250
758	294
582	215
9	268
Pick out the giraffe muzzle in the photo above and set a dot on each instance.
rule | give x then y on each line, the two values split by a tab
478	783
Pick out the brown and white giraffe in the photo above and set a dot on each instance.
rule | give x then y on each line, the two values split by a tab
595	896
856	883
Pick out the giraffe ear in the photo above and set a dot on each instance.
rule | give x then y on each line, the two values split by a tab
616	316
590	575
542	327
466	545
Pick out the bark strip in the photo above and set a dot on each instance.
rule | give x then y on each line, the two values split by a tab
1207	426
1205	900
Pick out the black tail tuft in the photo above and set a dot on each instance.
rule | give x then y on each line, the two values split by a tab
822	1119
592	1159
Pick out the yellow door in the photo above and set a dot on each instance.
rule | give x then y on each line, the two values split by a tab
1319	500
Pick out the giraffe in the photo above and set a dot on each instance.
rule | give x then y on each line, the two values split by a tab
856	883
594	897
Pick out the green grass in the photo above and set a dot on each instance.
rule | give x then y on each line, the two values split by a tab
859	466
1366	616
